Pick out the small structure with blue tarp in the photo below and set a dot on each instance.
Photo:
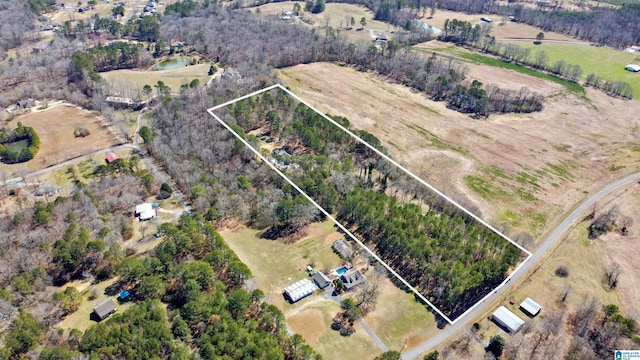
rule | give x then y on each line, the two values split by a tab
124	294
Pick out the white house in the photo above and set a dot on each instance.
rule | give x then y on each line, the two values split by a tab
145	212
507	319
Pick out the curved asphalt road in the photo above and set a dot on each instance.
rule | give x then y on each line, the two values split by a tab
461	322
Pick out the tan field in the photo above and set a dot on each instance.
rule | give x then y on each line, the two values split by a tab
522	170
335	15
130	81
55	127
501	28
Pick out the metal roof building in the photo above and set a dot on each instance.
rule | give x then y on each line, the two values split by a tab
507	319
300	290
105	308
530	307
321	279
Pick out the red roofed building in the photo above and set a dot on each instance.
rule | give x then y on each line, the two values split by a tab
111	157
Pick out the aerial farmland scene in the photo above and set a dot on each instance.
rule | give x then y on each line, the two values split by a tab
376	180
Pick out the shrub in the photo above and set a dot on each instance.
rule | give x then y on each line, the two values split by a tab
81	132
562	271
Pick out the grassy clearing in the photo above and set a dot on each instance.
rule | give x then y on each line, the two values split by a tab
81	318
173	78
605	62
276	265
495	62
435	141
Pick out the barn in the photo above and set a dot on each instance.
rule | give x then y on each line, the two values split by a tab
299	290
507	319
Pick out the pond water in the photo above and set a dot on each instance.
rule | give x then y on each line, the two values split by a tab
17	146
172	64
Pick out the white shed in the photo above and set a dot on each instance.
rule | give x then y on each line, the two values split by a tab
632	67
300	290
530	307
507	319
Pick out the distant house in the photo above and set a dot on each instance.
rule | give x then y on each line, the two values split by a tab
111	157
544	3
505	318
632	67
299	290
145	212
321	279
105	308
530	307
123	102
382	38
25	103
342	249
352	278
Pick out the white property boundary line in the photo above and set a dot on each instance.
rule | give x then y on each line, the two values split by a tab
353	237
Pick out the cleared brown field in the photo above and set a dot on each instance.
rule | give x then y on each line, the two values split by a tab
335	15
501	28
55	127
132	81
521	170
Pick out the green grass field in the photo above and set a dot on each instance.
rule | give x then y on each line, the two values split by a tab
607	63
475	57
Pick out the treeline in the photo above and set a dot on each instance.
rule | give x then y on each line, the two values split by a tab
20	133
116	55
443	251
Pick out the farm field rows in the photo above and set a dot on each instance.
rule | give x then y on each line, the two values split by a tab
551	159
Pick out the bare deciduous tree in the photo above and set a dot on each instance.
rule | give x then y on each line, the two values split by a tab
612	274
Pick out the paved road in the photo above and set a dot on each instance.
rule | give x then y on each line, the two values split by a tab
556	235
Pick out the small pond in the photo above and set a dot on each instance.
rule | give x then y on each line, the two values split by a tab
172	64
17	146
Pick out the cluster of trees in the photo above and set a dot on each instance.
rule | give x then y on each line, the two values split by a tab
614	88
432	244
20	133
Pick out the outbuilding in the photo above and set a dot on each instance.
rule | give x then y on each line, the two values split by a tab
530	307
342	248
299	290
146	211
105	308
321	279
508	320
632	67
111	157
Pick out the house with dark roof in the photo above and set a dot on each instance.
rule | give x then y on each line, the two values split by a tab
321	279
105	308
352	278
342	248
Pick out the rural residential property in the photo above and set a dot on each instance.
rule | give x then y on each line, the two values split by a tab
289	180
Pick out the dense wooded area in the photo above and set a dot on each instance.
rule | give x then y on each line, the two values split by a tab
443	251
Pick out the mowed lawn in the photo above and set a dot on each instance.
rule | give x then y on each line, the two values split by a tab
605	62
136	79
275	265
